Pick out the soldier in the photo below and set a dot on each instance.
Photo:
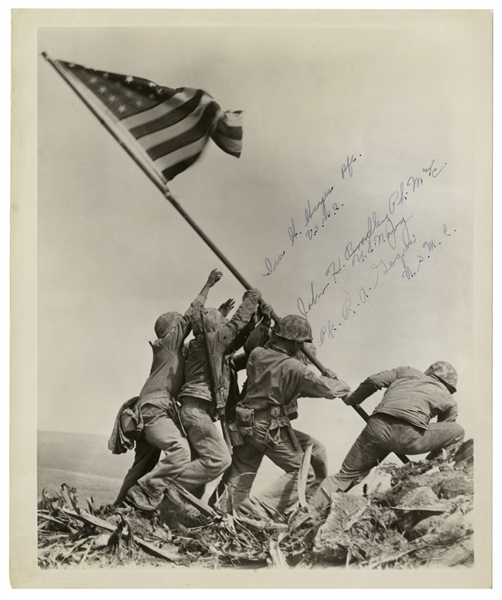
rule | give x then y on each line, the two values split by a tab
275	378
155	412
400	423
197	396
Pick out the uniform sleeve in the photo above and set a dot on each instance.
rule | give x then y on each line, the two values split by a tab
226	334
318	386
372	384
258	337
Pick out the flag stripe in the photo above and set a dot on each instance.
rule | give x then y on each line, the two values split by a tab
165	129
179	167
228	133
233	147
231	126
174	116
184	126
198	131
160	110
167	161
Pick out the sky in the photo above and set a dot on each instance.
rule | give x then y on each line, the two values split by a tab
353	203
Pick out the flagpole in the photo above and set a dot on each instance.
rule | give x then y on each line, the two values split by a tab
162	186
313	359
157	181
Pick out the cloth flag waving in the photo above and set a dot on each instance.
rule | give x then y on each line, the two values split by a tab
171	126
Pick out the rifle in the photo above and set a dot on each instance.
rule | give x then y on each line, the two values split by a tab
220	403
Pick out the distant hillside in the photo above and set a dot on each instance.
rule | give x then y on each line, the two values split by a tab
83	461
82	453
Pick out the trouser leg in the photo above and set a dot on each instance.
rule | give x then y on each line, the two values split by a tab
165	435
370	448
319	458
239	478
283	493
146	457
200	490
407	439
213	457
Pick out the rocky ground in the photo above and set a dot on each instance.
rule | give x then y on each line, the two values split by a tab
417	515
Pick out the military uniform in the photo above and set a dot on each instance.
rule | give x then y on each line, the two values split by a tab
401	422
274	379
198	406
156	412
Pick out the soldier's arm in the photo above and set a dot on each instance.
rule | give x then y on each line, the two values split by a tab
212	280
371	385
175	339
319	386
226	334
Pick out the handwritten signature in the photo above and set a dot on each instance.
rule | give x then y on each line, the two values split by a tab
410	269
314	299
272	267
347	166
316	217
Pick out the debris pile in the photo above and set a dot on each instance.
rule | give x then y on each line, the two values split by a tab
422	517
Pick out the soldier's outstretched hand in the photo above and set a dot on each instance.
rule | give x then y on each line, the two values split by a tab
266	311
331	374
227	306
253	294
214	277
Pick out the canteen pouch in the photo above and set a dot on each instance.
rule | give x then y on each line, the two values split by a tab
235	435
244	418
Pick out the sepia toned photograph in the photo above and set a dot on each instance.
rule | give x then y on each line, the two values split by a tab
252	268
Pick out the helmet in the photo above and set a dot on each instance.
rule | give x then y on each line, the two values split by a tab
445	372
294	328
166	322
213	320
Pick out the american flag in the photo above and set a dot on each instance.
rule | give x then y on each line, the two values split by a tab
171	125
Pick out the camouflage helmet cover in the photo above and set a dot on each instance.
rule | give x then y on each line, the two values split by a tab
213	320
165	323
445	372
294	328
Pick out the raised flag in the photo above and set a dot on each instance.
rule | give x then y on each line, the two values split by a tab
172	126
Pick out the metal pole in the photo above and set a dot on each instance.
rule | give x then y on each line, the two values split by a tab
167	195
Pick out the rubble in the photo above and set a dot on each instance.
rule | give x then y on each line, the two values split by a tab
416	515
424	520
